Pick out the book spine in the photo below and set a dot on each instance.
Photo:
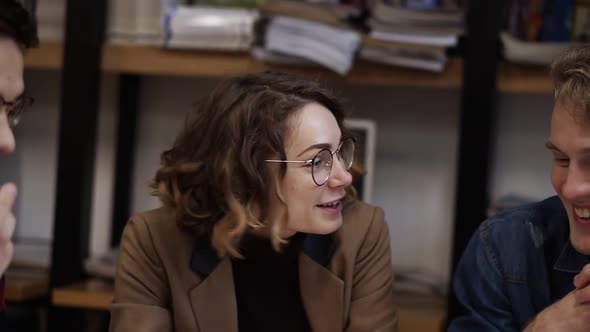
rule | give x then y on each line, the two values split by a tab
422	4
556	20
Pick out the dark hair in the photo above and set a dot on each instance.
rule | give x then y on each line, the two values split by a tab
215	176
17	24
570	73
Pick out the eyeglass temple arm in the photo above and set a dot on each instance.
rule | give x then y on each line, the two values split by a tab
286	161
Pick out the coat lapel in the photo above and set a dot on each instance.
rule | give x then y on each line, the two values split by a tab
322	292
214	300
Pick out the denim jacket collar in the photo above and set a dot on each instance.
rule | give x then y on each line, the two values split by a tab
518	263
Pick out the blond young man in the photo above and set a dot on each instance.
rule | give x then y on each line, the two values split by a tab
528	268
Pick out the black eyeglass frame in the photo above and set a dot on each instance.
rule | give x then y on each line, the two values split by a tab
14	109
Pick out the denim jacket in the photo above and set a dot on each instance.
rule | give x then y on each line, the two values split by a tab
516	264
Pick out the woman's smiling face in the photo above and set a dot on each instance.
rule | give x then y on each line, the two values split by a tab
311	208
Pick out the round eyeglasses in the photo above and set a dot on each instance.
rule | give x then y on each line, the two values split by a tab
321	164
15	108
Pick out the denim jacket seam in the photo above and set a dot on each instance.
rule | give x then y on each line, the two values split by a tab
493	258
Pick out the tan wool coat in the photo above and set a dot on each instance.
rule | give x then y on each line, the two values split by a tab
167	282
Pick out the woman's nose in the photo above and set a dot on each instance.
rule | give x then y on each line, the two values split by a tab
7	143
339	177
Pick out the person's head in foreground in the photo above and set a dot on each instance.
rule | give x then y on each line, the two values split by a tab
266	152
17	33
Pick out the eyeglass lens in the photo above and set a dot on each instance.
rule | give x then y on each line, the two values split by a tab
322	163
15	111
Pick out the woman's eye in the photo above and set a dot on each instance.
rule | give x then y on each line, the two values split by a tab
317	163
561	161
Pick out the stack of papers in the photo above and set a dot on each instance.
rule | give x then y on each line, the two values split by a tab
326	45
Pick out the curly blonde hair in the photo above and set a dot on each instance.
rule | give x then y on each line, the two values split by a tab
570	73
214	177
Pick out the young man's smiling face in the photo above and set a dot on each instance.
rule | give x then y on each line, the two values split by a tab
569	141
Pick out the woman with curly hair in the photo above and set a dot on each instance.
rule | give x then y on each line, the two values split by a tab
259	229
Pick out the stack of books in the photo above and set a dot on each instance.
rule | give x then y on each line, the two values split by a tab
210	25
306	33
50	15
329	46
407	33
415	36
538	30
210	28
137	21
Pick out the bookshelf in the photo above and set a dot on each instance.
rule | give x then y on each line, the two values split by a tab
22	288
523	78
94	294
156	61
49	55
88	56
145	60
419	312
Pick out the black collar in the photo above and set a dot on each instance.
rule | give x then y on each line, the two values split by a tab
318	247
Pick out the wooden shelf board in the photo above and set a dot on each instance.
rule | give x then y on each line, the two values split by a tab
49	55
90	294
523	78
420	312
147	60
416	313
156	61
21	288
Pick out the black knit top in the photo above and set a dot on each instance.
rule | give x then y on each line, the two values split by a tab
267	286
